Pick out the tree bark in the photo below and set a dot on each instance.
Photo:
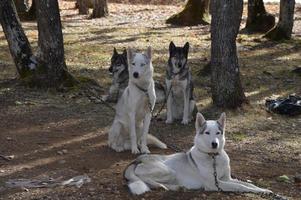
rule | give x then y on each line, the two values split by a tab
18	43
258	19
82	7
100	9
31	13
225	75
284	27
52	70
195	12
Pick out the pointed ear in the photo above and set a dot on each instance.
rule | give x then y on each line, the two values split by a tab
186	48
124	52
130	54
200	120
115	52
149	52
222	120
172	47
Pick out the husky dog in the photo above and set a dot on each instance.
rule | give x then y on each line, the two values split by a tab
133	110
205	166
120	79
119	70
179	86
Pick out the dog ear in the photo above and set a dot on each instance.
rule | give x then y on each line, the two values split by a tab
124	52
222	120
172	47
200	120
130	53
186	48
115	53
149	52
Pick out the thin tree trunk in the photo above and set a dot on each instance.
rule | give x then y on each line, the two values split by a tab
225	75
31	13
18	43
20	6
52	70
284	27
195	12
258	19
82	7
100	9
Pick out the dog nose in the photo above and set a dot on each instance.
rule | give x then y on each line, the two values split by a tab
179	65
135	74
214	145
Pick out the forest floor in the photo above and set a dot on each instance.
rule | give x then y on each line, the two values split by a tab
55	134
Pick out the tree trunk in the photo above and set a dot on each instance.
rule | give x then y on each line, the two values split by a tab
31	13
82	7
195	12
284	27
21	6
18	43
100	9
52	70
225	76
258	19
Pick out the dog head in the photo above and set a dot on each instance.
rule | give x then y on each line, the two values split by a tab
210	134
118	62
178	57
140	65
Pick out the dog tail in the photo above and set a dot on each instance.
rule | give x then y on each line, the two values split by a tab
155	141
135	184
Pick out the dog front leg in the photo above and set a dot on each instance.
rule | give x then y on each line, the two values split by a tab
146	123
186	107
133	135
169	119
231	186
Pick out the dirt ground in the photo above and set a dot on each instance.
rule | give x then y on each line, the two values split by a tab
55	134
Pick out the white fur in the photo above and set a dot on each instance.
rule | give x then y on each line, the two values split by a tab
138	187
133	116
191	170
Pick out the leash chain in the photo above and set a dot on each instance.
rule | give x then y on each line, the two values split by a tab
164	103
215	173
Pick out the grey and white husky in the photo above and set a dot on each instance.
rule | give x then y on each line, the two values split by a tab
133	111
179	85
120	79
193	169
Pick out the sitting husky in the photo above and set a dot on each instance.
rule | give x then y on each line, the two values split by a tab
119	70
179	86
205	166
133	110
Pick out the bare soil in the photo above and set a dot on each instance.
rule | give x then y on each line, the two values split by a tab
37	125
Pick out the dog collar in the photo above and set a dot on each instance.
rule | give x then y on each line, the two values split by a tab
209	154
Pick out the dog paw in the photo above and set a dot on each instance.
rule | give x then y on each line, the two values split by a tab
168	121
265	191
144	149
135	150
185	121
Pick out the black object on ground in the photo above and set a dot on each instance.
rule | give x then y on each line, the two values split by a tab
285	106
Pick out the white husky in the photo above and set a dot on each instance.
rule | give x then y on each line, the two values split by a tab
195	169
133	110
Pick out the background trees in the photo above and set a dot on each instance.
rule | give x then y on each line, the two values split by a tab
48	68
195	12
225	75
258	19
284	27
100	9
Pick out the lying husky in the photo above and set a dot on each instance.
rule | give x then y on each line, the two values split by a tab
179	86
133	110
120	79
192	170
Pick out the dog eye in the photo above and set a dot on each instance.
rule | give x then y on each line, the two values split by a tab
218	133
133	63
208	133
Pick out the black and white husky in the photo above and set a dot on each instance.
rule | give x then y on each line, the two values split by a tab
133	111
120	79
205	166
179	86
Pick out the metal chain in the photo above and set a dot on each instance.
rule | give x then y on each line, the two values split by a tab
164	103
215	173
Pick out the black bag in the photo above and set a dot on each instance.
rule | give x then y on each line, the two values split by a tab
285	106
